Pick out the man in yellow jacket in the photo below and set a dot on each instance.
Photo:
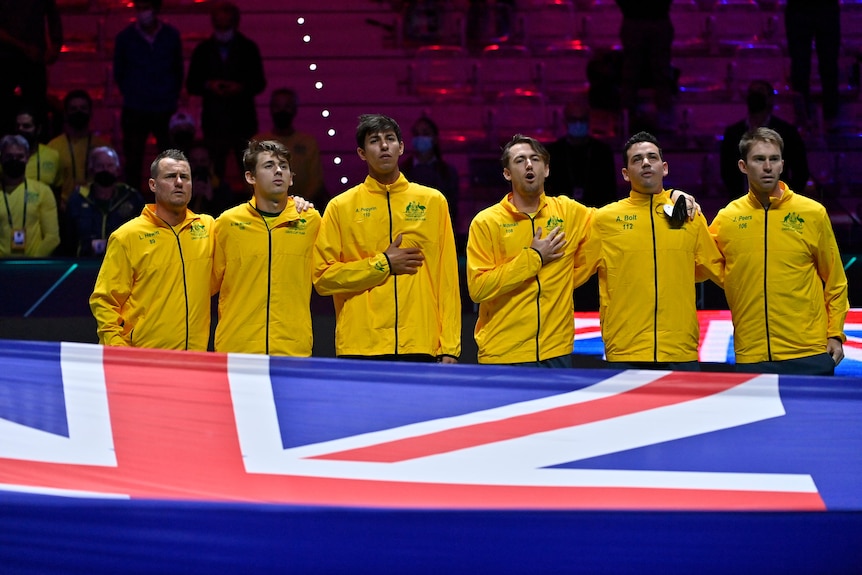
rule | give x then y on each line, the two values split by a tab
28	212
262	262
153	289
648	259
784	283
521	254
386	253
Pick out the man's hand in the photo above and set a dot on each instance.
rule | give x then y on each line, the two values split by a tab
448	359
302	204
693	207
551	248
403	260
835	348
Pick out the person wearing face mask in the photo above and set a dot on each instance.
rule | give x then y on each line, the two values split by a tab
44	162
226	71
28	212
74	144
425	165
96	209
304	151
760	101
148	70
584	166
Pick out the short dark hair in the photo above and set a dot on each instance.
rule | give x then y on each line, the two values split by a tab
172	154
228	8
156	4
373	123
761	134
640	138
257	147
522	139
76	94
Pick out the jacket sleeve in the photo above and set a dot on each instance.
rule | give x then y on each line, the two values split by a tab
588	256
332	275
449	291
487	277
113	287
708	261
831	271
49	223
220	228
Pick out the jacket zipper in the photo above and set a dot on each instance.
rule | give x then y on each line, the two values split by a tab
538	299
655	284
185	285
765	292
268	281
394	277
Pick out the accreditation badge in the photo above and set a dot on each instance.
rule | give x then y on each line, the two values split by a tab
19	240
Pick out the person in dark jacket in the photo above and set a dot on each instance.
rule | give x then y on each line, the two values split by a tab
98	208
760	102
148	70
226	70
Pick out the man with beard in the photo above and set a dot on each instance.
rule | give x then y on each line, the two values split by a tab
649	251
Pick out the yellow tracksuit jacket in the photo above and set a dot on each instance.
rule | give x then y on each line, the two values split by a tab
378	313
647	270
153	289
525	308
262	271
41	228
784	282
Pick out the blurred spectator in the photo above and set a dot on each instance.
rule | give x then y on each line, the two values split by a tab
425	164
818	21
647	35
209	194
75	143
226	70
96	209
760	101
31	35
304	152
148	70
28	213
182	130
582	167
44	162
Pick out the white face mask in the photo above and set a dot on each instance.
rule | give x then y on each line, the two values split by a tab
146	17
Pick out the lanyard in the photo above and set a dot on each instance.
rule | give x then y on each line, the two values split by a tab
9	212
72	155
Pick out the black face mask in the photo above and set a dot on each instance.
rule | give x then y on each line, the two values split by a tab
282	120
78	120
756	103
105	179
14	168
